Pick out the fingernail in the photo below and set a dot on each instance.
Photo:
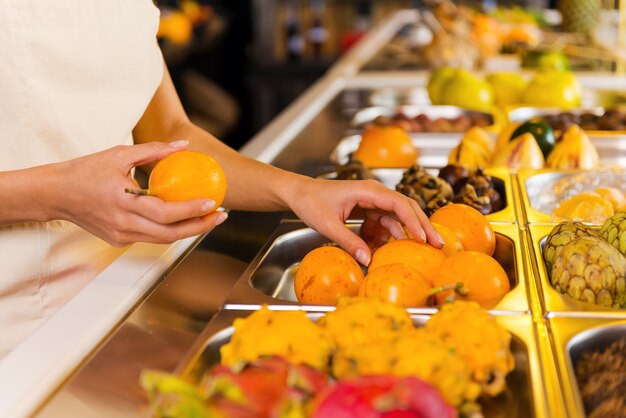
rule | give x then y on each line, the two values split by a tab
440	238
179	144
221	218
423	235
208	205
362	257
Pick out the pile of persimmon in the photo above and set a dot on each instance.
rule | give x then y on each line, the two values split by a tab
409	273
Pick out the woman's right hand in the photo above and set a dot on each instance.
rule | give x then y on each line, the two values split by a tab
90	192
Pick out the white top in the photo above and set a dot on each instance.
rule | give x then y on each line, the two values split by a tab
75	77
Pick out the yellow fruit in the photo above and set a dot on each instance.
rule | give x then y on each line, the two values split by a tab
289	334
386	146
468	91
552	88
613	196
505	135
469	154
574	150
437	81
187	175
522	152
586	206
508	88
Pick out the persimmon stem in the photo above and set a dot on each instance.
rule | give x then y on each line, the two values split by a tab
140	192
458	288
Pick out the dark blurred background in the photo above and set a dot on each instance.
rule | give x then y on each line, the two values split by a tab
238	63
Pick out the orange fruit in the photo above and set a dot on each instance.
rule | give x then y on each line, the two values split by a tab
176	27
186	175
399	284
483	278
325	274
472	228
422	257
386	146
452	243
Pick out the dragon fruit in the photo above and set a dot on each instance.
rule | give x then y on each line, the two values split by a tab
270	387
382	397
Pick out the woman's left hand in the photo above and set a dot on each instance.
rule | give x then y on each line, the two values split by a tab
325	205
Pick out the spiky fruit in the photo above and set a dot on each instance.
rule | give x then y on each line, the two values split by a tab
591	270
561	235
614	231
479	340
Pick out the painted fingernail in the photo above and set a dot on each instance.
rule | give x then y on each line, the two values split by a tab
362	257
208	205
179	144
221	218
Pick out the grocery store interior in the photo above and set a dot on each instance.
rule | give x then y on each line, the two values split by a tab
503	122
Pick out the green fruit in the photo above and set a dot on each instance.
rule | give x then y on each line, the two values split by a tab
560	236
508	88
468	91
541	131
614	231
553	88
590	270
437	81
553	61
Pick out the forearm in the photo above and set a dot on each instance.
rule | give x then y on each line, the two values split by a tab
26	195
251	185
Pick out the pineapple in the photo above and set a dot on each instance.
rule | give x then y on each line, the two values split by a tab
580	16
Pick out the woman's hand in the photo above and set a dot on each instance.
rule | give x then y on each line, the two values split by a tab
326	204
89	191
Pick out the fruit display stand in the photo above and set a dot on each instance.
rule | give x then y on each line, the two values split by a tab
151	308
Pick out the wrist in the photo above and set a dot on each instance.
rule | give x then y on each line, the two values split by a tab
293	188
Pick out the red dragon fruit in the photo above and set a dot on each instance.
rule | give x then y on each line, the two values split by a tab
382	397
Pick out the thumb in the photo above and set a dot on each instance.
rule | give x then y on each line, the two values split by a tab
352	243
155	151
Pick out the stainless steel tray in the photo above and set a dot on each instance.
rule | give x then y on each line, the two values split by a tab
390	177
368	114
532	183
522	114
269	278
525	397
433	148
571	338
552	301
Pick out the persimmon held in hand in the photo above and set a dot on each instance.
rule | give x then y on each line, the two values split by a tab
186	175
325	274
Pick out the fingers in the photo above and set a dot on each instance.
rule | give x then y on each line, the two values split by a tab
349	241
405	209
154	151
141	229
394	227
165	213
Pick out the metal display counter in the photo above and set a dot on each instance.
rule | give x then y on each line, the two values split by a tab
148	310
